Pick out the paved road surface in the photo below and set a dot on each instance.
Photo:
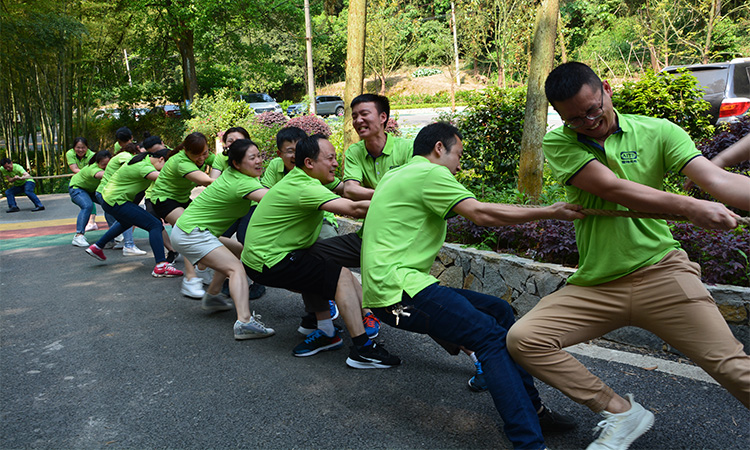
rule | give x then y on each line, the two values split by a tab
101	355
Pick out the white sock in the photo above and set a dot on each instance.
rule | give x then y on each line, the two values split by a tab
473	357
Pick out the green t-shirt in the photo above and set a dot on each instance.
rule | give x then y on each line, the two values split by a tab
127	182
16	171
72	158
172	183
404	230
85	178
220	204
219	162
288	218
114	163
360	166
276	171
641	150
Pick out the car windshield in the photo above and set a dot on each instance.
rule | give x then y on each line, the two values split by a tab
257	98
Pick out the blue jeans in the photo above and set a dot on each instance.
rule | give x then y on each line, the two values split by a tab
28	189
479	322
129	214
85	200
127	235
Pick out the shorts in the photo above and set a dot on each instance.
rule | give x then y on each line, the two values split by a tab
301	271
194	245
164	208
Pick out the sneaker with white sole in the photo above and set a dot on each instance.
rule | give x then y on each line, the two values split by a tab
110	245
132	251
80	241
96	252
193	288
618	431
205	275
254	329
317	342
119	245
371	356
166	270
91	226
218	302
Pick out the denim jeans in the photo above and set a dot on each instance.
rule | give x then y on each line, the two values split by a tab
28	189
129	214
127	235
85	200
479	322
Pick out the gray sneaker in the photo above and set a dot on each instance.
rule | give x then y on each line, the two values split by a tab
218	302
254	329
618	431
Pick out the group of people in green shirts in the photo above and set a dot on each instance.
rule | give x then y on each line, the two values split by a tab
631	271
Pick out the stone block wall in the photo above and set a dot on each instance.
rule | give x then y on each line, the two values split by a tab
523	282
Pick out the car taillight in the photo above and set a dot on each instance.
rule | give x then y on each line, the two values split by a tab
734	107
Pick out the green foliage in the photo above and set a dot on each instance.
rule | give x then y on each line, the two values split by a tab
492	130
215	113
433	46
678	98
425	72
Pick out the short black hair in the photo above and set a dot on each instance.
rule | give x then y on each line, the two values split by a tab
290	134
567	79
237	151
5	161
434	133
123	134
308	147
240	130
163	153
151	141
382	104
80	139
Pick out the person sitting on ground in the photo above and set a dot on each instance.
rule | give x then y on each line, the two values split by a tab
631	271
78	157
20	182
277	253
197	235
119	195
82	190
185	169
403	233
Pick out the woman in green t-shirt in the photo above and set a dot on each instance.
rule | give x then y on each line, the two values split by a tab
77	158
197	235
82	190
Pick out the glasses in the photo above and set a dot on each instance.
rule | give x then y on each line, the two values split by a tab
578	122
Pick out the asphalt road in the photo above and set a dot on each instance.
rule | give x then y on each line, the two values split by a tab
101	355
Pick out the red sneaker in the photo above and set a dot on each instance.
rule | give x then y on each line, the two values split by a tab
96	252
167	270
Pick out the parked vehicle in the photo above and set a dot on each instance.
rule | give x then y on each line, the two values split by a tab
168	110
261	103
325	105
726	86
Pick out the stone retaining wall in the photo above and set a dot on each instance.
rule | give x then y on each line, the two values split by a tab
522	282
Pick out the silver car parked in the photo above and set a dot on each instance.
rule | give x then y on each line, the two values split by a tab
325	105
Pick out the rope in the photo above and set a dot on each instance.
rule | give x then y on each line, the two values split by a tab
639	215
48	177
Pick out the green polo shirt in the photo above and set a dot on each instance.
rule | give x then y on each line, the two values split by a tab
172	183
220	162
16	171
288	218
127	182
72	158
114	163
85	178
642	150
368	171
220	204
404	230
276	171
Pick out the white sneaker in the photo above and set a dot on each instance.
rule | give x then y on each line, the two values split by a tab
193	288
132	251
618	431
80	241
91	226
205	275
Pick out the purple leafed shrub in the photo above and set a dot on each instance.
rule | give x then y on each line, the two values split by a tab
311	125
271	118
392	127
723	255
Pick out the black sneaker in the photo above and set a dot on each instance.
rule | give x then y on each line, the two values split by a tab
552	422
256	291
171	256
38	208
308	325
477	383
371	357
13	209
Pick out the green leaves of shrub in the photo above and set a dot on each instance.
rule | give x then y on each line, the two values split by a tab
425	72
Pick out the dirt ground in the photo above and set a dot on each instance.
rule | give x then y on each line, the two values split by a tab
402	83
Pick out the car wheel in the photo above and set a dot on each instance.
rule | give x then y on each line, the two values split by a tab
340	111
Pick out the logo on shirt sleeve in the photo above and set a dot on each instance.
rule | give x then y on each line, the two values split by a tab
629	157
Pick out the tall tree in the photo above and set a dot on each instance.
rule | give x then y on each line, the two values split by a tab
355	63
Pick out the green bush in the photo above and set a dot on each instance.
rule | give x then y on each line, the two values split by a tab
425	72
215	113
677	98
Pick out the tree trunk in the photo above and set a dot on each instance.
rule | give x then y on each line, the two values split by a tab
308	47
355	64
535	126
189	76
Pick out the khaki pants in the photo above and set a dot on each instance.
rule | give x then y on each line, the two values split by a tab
666	298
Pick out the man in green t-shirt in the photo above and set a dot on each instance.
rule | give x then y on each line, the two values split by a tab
403	233
631	271
277	253
20	183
